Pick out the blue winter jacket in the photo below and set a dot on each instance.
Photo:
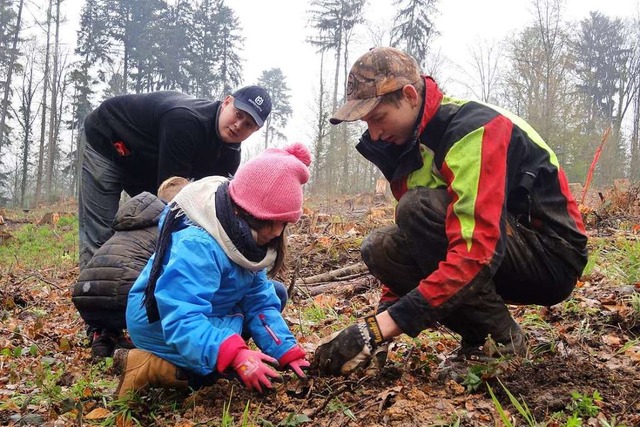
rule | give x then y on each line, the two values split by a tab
205	299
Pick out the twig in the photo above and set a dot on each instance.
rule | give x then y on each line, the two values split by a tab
39	277
292	282
50	283
361	401
330	397
24	337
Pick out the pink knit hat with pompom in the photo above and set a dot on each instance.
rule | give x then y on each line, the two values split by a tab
269	186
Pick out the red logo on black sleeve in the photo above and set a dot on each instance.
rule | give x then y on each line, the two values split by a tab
121	149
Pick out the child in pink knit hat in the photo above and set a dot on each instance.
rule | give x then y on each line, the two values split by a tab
206	287
269	186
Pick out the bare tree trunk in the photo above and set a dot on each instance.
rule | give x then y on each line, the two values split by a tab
53	112
635	136
43	127
7	86
267	128
548	15
332	155
28	93
485	60
343	147
125	63
319	148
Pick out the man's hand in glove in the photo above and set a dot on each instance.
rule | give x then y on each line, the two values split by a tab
253	372
349	349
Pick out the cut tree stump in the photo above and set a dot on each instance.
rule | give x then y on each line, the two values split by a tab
5	236
50	218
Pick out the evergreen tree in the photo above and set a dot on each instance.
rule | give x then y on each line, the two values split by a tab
603	61
9	36
215	65
230	42
599	49
413	27
95	46
7	29
173	62
334	22
203	55
133	24
275	83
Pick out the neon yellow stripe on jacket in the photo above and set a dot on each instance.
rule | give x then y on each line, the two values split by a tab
466	178
428	175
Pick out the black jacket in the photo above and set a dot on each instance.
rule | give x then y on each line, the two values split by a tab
157	135
102	289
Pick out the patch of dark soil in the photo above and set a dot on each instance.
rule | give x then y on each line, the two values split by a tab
546	387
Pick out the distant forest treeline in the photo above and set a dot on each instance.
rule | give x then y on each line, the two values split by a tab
569	80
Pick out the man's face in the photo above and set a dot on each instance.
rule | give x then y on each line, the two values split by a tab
394	123
234	125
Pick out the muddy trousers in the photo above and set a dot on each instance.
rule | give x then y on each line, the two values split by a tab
401	255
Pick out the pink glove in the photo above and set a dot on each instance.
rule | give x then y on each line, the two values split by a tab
297	366
295	360
251	369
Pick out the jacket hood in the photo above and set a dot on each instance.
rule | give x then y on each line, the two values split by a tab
141	211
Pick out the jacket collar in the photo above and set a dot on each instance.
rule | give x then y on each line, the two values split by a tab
397	161
432	100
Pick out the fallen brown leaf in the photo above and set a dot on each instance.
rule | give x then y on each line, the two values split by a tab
98	414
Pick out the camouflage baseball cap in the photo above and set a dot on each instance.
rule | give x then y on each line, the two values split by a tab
380	71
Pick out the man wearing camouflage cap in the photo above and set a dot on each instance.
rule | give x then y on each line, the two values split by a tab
484	217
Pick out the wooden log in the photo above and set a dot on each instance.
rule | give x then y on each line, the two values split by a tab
334	275
340	287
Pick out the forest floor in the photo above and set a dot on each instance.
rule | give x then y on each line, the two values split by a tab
582	367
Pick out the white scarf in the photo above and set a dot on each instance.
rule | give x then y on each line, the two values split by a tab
198	201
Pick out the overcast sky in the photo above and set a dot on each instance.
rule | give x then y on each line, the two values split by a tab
275	33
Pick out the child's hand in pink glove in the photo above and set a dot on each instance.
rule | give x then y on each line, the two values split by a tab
295	359
298	367
253	372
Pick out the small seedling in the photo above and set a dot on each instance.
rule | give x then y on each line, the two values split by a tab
585	405
336	406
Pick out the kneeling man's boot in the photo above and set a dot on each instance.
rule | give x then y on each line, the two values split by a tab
140	369
486	327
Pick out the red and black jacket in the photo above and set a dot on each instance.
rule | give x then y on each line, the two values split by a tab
492	164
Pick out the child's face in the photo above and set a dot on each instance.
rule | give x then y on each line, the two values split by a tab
269	232
234	125
394	123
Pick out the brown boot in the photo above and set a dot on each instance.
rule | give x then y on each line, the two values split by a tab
140	369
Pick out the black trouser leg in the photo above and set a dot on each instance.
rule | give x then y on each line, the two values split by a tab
403	254
484	314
